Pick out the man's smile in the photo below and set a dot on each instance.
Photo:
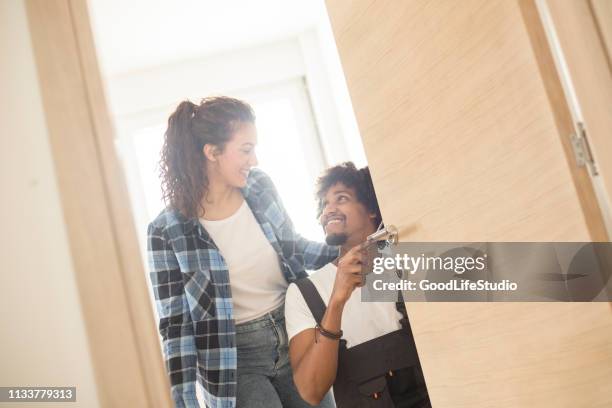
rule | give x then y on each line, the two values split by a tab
333	220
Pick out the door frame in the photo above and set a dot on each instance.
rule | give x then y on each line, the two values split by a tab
592	208
119	320
575	33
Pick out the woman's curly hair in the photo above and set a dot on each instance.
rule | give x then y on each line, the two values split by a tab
183	165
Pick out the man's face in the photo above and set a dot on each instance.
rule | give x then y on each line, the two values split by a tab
344	218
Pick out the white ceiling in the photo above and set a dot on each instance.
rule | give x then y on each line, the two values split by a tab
135	34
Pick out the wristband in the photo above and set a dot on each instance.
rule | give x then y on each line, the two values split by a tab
328	334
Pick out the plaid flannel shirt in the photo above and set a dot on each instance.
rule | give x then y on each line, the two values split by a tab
190	281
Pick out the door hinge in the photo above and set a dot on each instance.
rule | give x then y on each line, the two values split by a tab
582	149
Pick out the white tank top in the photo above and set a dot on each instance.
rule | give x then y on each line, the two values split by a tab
257	282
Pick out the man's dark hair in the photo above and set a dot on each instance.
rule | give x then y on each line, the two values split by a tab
357	179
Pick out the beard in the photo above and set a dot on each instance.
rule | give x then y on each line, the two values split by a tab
336	239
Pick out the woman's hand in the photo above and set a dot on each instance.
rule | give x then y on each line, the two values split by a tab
348	275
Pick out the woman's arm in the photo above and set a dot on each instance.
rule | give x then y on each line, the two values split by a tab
315	254
175	325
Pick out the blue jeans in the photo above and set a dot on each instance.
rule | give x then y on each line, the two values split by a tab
265	379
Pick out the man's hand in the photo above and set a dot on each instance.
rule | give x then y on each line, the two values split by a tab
348	276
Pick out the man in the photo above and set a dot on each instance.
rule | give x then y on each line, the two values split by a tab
364	350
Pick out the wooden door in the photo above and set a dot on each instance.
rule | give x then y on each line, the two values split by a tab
466	132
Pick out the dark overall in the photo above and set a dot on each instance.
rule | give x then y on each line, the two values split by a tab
381	373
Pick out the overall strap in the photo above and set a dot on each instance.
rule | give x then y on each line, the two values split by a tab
315	303
313	298
400	306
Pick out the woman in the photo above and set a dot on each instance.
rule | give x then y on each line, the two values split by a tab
221	257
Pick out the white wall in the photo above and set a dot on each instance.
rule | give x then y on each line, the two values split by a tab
42	330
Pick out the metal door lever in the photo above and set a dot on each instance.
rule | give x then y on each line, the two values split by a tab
388	234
